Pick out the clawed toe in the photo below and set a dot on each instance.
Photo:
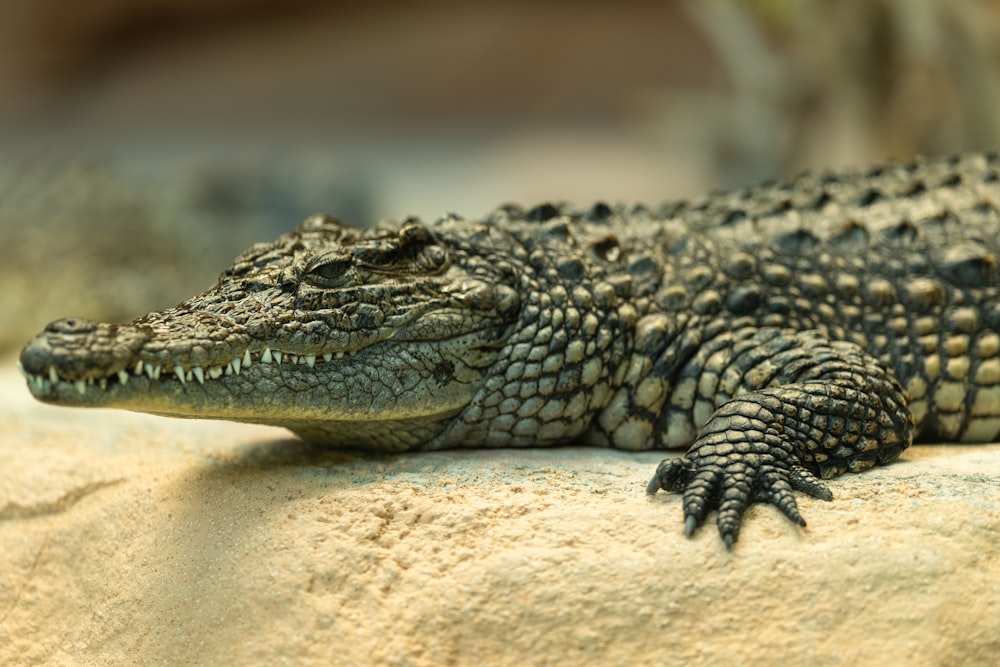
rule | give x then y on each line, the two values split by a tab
671	475
730	489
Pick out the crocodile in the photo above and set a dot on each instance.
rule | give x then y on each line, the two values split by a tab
783	333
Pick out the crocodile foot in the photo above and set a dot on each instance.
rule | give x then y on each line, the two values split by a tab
730	476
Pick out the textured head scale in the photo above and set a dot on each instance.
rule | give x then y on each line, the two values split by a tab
372	338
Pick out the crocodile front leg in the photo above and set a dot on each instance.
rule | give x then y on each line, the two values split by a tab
803	408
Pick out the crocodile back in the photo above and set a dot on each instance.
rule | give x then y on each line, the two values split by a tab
901	259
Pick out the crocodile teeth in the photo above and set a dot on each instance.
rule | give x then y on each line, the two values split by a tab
199	373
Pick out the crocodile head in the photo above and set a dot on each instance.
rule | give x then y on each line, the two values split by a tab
376	338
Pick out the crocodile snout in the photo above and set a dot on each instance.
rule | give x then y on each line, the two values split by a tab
71	325
77	348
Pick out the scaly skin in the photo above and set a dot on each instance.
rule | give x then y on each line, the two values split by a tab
782	333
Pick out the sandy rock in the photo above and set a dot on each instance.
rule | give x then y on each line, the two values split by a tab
128	539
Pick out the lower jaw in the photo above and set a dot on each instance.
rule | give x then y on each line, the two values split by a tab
376	436
170	398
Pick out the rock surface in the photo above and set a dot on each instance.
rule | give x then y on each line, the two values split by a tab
127	539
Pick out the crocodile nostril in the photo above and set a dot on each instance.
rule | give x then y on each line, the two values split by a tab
71	325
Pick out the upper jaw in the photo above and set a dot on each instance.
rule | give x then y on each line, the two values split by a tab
74	358
84	356
47	383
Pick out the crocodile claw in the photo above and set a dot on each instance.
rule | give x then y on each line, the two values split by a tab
732	483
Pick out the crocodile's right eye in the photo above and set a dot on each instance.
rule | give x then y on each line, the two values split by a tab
329	273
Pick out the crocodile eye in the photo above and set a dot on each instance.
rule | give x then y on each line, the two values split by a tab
435	259
329	273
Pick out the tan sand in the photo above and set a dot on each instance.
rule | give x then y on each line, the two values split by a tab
127	539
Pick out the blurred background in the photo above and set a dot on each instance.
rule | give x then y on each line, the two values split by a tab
145	143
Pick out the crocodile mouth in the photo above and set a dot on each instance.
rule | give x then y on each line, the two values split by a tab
173	387
51	383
